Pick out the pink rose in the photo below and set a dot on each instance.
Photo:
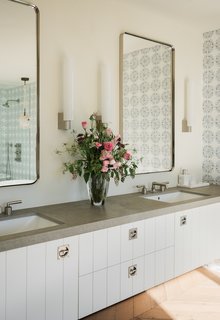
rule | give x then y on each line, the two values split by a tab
104	169
105	155
84	124
108	146
106	163
98	145
127	155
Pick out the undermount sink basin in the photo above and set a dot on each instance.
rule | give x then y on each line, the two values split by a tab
176	196
32	222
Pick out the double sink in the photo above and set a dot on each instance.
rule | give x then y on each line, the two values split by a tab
33	221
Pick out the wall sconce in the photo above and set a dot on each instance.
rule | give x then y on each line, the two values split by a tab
66	116
106	94
188	106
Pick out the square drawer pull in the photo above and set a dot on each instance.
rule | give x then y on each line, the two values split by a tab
132	270
183	220
63	251
133	233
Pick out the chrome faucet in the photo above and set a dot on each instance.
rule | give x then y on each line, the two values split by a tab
162	186
8	208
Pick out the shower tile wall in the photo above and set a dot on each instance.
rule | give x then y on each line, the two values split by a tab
211	106
147	107
11	133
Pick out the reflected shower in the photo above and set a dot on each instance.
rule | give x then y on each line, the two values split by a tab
6	104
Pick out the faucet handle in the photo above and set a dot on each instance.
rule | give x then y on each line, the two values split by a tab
143	188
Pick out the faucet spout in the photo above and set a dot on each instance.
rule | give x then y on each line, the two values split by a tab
162	186
8	208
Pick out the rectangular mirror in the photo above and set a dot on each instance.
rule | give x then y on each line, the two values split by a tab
147	101
19	93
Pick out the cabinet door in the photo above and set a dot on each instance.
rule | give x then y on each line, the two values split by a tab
149	271
138	278
126	280
169	263
100	250
54	281
187	241
85	253
114	245
85	295
126	243
70	280
38	285
132	277
138	241
210	235
150	235
61	279
132	240
36	289
92	292
99	290
113	284
164	231
16	282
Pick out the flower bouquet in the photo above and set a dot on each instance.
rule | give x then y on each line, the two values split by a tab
98	155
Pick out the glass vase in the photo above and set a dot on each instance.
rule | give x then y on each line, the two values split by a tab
97	189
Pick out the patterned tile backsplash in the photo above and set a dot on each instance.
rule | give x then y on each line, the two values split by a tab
17	144
147	108
211	107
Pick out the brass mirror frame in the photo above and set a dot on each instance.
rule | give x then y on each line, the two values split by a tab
37	36
121	53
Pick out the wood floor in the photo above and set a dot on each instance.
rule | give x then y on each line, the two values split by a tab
197	299
193	296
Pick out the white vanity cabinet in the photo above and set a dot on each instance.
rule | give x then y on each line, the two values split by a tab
74	277
40	281
197	237
119	262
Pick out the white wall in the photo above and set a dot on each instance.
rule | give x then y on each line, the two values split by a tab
90	30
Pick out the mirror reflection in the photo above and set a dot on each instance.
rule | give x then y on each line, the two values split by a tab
18	93
147	101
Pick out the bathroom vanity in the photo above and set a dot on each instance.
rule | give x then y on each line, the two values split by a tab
95	257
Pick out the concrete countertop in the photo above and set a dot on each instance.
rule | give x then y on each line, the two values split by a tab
80	217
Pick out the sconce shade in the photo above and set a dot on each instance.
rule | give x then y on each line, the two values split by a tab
68	88
189	102
106	94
